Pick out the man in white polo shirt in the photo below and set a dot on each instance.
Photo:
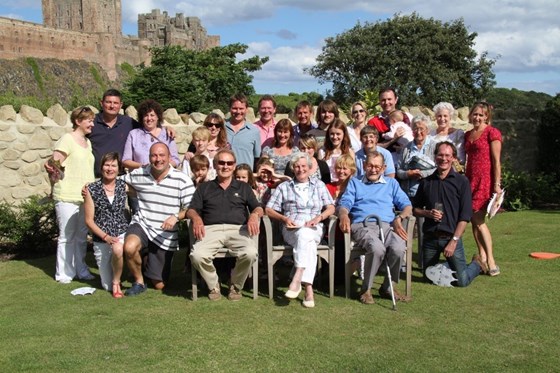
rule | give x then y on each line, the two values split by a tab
163	195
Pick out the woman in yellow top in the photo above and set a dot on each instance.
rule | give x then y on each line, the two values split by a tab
73	151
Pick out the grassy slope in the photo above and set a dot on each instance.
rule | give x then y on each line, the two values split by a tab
505	323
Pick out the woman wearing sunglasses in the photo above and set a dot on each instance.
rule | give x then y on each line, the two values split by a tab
218	136
358	113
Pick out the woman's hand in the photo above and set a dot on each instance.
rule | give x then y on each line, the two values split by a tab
414	174
111	240
188	156
290	224
313	222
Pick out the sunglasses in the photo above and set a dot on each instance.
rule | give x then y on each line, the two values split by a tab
224	163
358	111
208	125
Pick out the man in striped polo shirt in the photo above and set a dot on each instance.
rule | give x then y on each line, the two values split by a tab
164	194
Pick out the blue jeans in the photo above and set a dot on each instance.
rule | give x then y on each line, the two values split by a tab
433	247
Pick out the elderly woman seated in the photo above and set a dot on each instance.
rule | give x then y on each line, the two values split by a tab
417	160
301	205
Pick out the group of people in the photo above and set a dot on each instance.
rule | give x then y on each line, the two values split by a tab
298	174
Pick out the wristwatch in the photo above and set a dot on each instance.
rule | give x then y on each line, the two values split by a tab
455	238
177	216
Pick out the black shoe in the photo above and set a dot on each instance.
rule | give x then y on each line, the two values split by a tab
135	289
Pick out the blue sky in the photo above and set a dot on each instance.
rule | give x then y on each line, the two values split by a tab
524	35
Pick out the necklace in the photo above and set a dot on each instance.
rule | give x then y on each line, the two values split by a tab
108	190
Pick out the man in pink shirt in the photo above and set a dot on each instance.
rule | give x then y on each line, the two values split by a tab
266	124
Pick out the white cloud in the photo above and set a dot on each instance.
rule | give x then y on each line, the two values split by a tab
286	64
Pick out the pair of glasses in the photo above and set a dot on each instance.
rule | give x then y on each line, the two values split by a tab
358	111
374	167
418	130
224	163
208	125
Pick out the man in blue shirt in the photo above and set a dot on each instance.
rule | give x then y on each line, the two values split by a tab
244	137
375	194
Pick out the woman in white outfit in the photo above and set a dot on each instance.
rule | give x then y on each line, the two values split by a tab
301	205
73	152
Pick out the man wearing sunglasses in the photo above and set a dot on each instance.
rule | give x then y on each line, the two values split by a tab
220	217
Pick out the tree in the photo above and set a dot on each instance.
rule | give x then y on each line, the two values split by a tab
426	60
549	137
194	80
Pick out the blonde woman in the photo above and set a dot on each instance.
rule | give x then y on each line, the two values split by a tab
73	151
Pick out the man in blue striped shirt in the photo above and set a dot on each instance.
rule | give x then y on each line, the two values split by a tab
164	194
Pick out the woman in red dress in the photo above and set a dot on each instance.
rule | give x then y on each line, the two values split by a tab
483	147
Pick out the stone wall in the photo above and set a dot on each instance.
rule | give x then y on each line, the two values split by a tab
27	139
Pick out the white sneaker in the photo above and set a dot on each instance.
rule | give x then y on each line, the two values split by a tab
440	275
64	281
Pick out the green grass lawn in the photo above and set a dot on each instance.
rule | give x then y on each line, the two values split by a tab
507	323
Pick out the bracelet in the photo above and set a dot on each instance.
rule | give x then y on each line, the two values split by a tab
104	237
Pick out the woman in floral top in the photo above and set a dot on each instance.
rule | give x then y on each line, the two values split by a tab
105	216
283	147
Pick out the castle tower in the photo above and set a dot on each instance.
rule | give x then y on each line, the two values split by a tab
99	16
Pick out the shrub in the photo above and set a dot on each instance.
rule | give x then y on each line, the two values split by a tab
525	190
31	227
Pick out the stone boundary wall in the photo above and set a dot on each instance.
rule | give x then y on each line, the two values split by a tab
27	139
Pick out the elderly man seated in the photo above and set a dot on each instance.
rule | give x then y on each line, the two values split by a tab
219	211
375	194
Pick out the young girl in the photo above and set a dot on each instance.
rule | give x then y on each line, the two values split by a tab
200	138
266	179
244	173
337	143
345	167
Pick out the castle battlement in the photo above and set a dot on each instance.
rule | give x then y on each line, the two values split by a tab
92	31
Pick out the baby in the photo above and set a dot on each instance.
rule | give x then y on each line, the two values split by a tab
396	118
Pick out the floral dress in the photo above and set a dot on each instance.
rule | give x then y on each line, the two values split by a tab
479	166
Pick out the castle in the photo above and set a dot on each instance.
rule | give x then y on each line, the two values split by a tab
92	31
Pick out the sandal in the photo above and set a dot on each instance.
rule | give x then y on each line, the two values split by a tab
398	297
494	272
366	298
117	293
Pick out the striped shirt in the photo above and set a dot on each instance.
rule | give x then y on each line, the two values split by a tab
158	201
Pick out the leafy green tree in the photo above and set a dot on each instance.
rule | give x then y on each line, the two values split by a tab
549	137
426	60
194	80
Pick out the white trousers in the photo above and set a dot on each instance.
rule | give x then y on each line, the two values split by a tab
103	253
72	242
304	242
